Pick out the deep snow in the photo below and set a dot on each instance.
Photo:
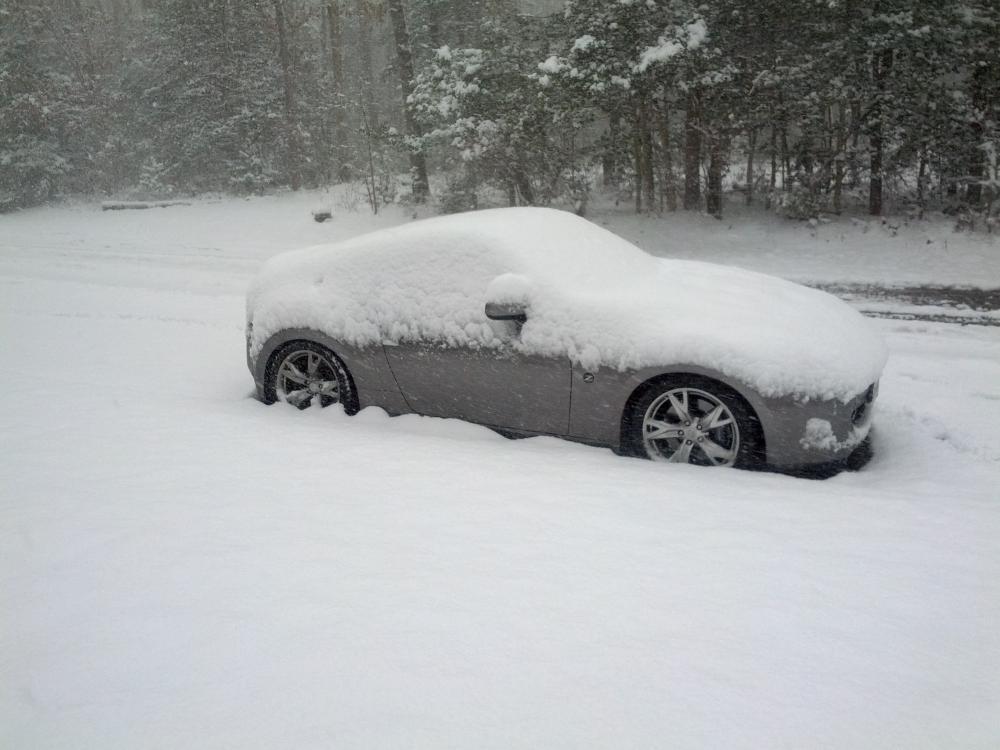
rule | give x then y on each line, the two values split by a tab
185	567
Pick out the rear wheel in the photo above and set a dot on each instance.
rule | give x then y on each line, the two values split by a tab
306	374
692	420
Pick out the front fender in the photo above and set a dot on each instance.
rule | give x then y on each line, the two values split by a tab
600	396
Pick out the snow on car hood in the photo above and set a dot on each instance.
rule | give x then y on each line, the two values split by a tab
591	296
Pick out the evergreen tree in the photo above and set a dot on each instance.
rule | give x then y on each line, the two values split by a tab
499	121
819	105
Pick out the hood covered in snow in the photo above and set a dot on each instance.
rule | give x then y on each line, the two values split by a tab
591	296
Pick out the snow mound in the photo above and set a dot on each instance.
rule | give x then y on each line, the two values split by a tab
591	296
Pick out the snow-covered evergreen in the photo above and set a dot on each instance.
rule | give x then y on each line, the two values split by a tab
807	107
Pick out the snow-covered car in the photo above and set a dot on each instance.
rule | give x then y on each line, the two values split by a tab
537	322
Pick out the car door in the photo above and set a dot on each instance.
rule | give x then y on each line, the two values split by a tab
498	387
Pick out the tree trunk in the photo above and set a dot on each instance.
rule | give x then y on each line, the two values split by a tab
523	185
404	65
716	162
751	147
875	168
609	157
371	184
974	188
291	127
434	36
637	159
366	67
646	146
786	158
976	156
854	139
921	180
336	54
840	147
881	65
667	186
692	154
774	162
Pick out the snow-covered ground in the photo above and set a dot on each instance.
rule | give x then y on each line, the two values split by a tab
181	566
225	239
853	250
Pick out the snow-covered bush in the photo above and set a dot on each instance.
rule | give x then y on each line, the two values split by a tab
800	202
30	169
251	173
458	194
152	180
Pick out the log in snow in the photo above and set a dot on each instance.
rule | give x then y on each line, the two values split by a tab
125	205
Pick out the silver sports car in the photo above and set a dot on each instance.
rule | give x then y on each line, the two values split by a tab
537	322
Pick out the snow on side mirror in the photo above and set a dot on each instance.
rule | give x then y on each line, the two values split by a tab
506	311
507	298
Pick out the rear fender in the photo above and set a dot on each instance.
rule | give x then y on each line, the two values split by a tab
368	367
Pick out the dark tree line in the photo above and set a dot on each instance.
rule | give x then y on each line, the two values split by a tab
804	105
189	95
807	102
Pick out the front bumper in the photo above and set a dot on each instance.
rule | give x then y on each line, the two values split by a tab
252	363
814	433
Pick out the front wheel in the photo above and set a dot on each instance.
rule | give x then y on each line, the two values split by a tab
693	421
306	374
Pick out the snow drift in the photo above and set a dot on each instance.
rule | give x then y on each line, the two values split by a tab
591	296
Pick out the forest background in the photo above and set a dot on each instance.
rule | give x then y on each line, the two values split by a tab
802	106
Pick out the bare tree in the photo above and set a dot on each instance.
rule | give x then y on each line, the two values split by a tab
335	43
404	65
716	163
291	127
881	65
668	191
692	154
363	10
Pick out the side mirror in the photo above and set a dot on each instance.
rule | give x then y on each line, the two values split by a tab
506	311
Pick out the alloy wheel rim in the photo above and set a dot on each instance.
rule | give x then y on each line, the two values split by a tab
306	378
691	426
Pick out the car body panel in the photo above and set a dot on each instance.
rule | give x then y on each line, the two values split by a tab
369	369
512	285
787	430
497	387
601	395
538	395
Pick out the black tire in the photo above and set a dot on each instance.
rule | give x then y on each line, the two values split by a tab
743	438
860	456
329	369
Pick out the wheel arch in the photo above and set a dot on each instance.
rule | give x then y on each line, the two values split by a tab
371	379
351	403
694	377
